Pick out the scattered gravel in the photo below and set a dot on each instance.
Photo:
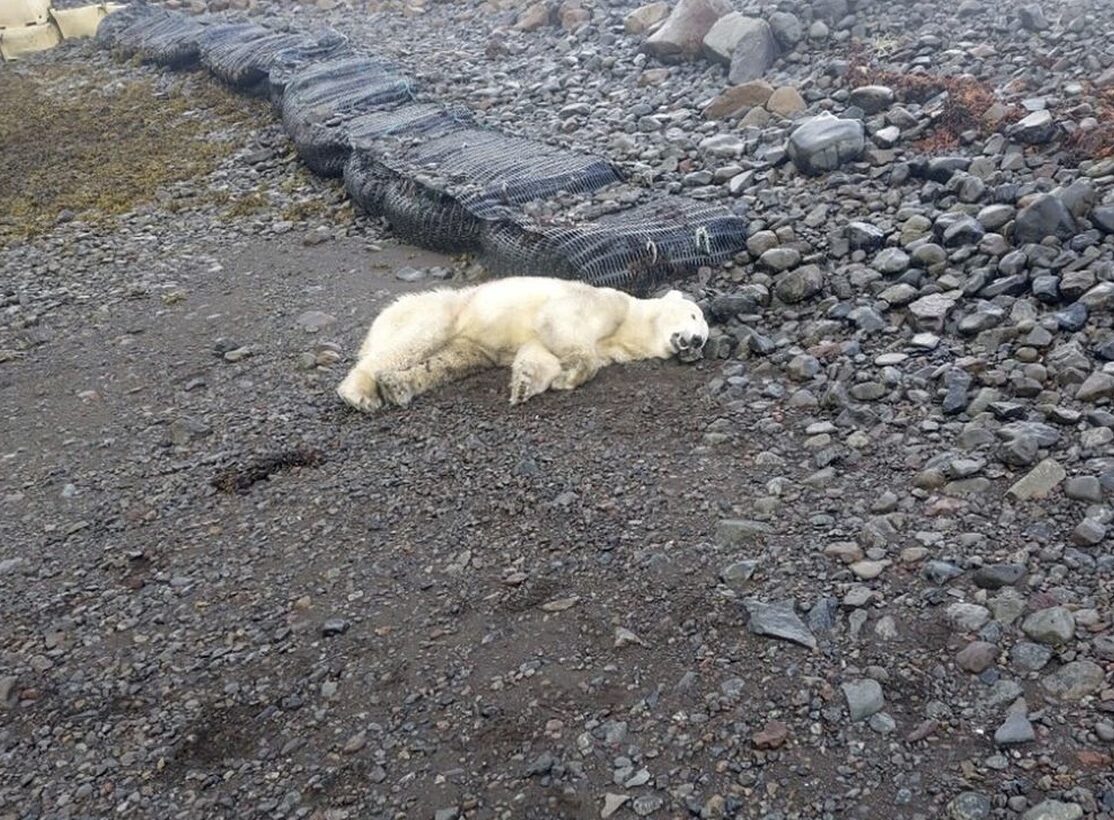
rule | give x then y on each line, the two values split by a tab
855	563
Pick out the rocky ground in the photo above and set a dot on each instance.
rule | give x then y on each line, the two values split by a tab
854	564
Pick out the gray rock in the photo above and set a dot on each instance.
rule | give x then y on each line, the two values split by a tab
184	430
969	806
778	620
1032	18
965	617
314	321
1053	626
780	259
1084	488
864	698
7	690
1074	680
738	573
825	143
872	99
754	52
977	657
931	311
1097	386
731	532
647	804
682	34
1014	731
1029	657
799	285
729	31
1103	217
891	261
1045	216
786	28
1088	533
1036	129
1038	482
1054	810
335	626
995	576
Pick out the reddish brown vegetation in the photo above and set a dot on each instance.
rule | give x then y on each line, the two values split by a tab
1098	143
965	107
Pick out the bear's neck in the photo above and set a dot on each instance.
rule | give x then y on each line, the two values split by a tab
629	342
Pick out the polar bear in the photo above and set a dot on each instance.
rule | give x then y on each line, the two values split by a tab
552	333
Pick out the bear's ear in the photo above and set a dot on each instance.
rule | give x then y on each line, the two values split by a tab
675	294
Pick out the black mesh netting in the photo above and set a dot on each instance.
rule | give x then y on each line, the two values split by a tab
319	101
156	36
111	28
524	207
441	192
637	249
247	64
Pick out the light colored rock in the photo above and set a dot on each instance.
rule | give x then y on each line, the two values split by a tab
824	143
1053	626
785	102
738	99
644	18
682	34
1038	482
754	53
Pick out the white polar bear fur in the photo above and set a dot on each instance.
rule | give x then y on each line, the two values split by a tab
552	333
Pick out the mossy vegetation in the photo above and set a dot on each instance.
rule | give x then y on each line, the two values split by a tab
72	142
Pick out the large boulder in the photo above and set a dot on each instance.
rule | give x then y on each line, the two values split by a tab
644	18
754	52
1045	216
719	42
535	17
824	143
682	34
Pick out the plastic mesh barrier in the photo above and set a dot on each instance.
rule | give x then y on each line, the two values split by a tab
112	27
162	38
441	192
636	250
526	208
246	65
373	134
318	103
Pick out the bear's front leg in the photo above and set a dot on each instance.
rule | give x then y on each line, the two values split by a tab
532	372
576	369
360	391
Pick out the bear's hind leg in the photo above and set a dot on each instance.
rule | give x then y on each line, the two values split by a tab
403	335
532	372
457	359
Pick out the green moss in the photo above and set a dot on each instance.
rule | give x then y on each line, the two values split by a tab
69	145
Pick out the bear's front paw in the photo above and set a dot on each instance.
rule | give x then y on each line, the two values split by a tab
358	390
522	388
395	389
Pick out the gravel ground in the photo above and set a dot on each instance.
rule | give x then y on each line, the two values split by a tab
854	564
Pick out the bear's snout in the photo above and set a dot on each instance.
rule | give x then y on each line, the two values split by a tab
687	346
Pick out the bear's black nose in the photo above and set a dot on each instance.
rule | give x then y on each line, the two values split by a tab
697	341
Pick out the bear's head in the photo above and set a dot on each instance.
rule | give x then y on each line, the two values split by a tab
679	322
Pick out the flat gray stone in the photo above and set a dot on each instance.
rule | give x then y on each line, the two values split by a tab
1074	680
778	620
